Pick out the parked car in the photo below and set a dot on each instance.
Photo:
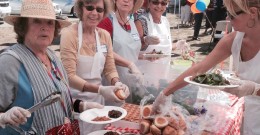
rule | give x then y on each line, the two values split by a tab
67	6
5	9
57	9
16	7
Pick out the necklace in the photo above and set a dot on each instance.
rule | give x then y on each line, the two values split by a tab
46	62
125	23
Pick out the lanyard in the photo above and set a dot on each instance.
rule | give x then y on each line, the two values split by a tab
58	76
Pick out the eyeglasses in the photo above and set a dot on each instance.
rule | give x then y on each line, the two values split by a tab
98	9
157	3
237	13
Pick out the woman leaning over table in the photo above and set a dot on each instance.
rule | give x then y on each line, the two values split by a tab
30	71
86	52
244	45
125	37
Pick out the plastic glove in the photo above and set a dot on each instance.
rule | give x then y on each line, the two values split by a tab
151	40
160	100
245	88
124	88
108	92
14	116
136	72
89	105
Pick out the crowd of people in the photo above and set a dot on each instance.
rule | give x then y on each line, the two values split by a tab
100	52
214	12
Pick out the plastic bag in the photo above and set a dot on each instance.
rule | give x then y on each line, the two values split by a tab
173	115
186	97
211	121
137	90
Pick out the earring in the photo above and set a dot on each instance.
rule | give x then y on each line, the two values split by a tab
251	23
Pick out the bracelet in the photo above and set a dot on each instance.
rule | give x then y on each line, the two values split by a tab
76	105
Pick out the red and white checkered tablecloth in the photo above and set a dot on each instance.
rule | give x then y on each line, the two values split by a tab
231	126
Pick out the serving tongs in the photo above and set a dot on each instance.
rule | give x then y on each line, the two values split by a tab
50	99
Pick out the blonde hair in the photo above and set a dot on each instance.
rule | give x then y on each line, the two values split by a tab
244	5
79	4
137	5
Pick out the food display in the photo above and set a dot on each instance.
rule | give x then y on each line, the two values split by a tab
133	112
111	133
114	114
102	118
159	124
120	94
211	79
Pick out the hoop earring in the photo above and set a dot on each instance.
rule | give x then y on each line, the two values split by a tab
250	23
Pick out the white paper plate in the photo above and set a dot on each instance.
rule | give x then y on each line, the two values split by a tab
188	80
89	115
155	55
100	132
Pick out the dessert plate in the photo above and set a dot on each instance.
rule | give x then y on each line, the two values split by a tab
89	115
147	55
100	132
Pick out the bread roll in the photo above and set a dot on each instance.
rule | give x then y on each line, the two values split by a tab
160	122
146	112
145	126
173	123
154	130
168	130
120	94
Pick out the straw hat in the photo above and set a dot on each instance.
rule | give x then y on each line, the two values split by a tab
42	9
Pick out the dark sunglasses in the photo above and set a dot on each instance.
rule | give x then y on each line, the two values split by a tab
237	13
157	3
98	9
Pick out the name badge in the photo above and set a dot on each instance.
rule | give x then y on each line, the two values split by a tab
103	48
136	37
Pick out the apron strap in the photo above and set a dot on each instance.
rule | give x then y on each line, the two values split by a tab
80	37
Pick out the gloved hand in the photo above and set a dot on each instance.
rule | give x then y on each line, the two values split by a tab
245	87
160	100
108	92
89	105
136	72
14	116
151	40
124	88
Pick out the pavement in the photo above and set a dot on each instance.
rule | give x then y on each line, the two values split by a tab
7	38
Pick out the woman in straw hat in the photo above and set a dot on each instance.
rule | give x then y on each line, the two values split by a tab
244	46
125	37
30	71
86	52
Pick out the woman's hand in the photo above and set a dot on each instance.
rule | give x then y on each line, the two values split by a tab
14	116
108	92
151	40
133	69
89	105
160	100
245	87
124	88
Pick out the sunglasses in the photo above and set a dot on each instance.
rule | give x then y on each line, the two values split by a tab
237	13
98	9
157	3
